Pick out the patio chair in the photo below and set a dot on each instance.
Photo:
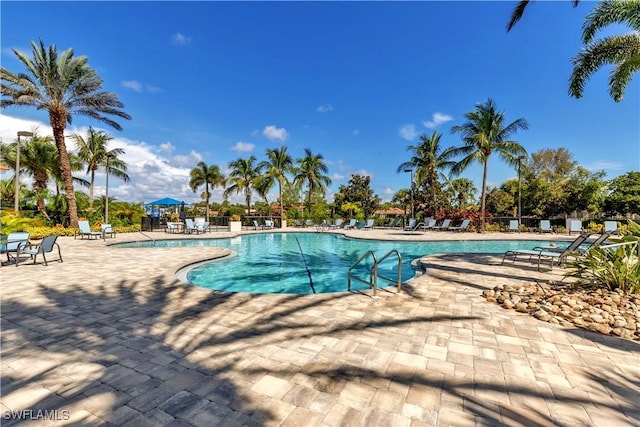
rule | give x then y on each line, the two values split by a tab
297	223
610	227
172	227
411	225
16	244
256	226
554	255
204	227
461	227
545	226
514	226
578	249
85	230
575	226
368	225
43	248
351	224
268	224
106	229
190	226
429	224
337	223
442	227
308	223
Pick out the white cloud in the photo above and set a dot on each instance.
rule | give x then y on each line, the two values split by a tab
364	172
133	85
189	160
325	108
167	148
599	165
436	120
180	39
140	87
408	132
273	133
243	147
337	177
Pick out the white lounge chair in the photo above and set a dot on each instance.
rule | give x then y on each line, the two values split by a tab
16	244
555	255
514	226
368	225
444	226
85	230
411	225
610	227
575	226
545	226
106	229
461	227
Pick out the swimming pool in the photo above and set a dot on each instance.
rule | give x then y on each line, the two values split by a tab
304	263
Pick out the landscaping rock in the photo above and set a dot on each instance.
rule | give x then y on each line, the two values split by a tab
600	310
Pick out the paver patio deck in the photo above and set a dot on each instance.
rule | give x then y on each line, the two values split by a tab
111	336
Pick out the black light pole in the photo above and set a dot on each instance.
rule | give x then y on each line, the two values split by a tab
16	202
520	158
106	201
412	210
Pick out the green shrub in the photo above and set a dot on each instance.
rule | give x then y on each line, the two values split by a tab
616	267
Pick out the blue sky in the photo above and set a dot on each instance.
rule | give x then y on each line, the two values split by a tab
356	82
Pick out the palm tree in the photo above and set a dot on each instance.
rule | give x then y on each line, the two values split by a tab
93	152
428	162
311	169
207	175
518	11
62	85
464	189
622	51
276	168
484	133
243	177
39	158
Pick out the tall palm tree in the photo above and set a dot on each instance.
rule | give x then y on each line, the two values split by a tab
38	158
518	12
93	152
206	175
243	177
275	169
62	85
464	189
621	51
428	161
485	133
311	170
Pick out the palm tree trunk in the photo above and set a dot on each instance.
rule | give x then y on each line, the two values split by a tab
247	197
58	125
484	194
206	191
40	183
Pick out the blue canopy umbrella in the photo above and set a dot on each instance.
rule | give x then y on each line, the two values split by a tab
167	201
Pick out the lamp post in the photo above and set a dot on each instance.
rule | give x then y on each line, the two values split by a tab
16	202
412	210
520	158
106	192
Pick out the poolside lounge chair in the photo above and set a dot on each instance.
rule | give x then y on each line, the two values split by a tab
337	223
256	226
461	227
297	223
172	227
610	227
411	225
308	223
514	226
575	226
190	226
545	226
444	226
557	256
43	248
578	249
268	224
85	230
429	224
106	229
16	244
350	224
204	227
368	225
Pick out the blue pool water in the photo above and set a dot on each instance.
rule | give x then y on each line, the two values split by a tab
301	263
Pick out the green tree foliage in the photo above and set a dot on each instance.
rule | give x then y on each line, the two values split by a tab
485	133
278	165
243	177
623	194
207	176
358	191
621	51
428	162
62	85
501	202
93	152
312	171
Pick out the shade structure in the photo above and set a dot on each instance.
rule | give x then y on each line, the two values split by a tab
167	201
